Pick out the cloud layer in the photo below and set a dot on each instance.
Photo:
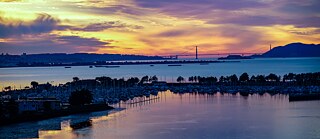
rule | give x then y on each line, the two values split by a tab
156	27
52	44
44	23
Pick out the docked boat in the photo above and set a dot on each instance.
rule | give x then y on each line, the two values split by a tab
80	125
112	66
97	66
173	65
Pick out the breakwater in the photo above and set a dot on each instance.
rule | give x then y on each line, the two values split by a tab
112	63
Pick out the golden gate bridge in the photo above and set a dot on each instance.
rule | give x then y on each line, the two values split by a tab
196	54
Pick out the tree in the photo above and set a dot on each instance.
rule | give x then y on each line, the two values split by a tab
272	77
105	81
8	88
153	78
144	79
196	78
191	79
253	78
233	78
80	97
211	80
244	77
75	79
34	84
180	79
260	79
221	79
133	81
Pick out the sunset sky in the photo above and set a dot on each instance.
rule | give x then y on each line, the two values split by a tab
155	27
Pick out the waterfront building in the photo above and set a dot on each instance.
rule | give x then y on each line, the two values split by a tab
37	104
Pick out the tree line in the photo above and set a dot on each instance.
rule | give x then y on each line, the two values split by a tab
243	79
290	79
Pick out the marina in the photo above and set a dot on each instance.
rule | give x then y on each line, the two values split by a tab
159	69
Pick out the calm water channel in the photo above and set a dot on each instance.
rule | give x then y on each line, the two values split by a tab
178	115
183	116
21	77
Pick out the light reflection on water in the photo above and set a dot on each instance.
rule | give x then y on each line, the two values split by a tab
191	116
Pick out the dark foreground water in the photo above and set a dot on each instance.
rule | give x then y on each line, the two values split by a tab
183	116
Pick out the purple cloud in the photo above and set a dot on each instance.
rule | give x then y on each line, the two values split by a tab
300	13
213	4
303	7
265	20
107	25
43	24
53	44
171	33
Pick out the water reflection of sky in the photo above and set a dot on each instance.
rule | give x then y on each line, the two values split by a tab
189	116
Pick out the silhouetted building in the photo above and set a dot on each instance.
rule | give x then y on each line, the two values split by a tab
38	104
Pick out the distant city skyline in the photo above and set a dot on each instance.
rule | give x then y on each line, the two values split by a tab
164	27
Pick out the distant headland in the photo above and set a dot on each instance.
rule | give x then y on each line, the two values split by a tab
289	50
61	59
293	50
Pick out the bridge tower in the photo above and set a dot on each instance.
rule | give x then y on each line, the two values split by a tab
196	52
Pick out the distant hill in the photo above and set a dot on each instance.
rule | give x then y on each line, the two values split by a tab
294	50
63	58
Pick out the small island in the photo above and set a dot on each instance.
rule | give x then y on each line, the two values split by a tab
232	57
